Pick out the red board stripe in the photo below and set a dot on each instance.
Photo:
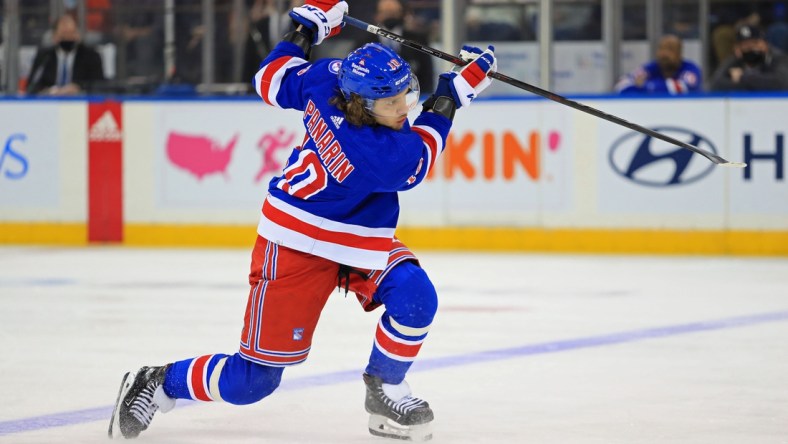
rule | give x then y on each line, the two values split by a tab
105	172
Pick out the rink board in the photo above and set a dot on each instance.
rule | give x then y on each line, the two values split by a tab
517	175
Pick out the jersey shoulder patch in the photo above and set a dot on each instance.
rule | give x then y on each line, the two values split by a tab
334	66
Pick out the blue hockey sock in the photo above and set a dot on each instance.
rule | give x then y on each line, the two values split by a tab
221	378
411	303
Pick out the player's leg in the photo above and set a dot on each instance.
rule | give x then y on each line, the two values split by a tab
411	302
289	290
216	377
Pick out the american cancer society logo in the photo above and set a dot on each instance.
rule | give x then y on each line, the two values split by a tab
298	334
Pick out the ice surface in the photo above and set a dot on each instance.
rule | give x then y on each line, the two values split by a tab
525	348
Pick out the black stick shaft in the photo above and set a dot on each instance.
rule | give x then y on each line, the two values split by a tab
541	92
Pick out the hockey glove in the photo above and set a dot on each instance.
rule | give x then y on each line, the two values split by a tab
323	24
466	83
324	5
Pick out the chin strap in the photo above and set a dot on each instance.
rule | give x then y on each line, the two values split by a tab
442	105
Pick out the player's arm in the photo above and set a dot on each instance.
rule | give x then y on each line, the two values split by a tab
275	81
633	82
456	89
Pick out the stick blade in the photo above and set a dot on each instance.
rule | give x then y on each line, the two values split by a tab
733	164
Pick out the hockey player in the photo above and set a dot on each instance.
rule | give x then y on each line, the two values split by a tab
329	220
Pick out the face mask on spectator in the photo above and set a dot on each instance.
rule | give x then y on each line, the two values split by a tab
67	45
753	57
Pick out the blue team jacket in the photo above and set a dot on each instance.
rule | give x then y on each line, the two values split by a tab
687	79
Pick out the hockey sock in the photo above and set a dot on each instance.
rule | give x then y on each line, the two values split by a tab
411	303
221	378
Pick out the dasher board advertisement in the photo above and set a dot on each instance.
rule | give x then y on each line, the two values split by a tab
30	156
505	163
220	155
643	176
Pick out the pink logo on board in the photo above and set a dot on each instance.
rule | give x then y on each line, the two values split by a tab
199	155
269	144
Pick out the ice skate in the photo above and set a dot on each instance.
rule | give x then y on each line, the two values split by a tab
141	394
394	413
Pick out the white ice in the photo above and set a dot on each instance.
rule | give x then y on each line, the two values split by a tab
73	320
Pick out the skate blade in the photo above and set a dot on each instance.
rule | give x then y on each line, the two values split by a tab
114	422
387	428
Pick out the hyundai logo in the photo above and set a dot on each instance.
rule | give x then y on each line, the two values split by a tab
652	162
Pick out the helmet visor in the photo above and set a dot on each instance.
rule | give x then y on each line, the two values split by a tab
398	105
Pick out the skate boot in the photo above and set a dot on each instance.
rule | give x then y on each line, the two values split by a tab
141	394
394	413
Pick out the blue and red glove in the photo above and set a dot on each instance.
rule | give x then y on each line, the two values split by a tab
325	18
324	5
464	84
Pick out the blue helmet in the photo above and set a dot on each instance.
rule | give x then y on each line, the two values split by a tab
374	72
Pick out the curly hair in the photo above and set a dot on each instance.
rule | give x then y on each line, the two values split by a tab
354	109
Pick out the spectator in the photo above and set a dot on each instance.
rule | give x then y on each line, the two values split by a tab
754	66
479	28
668	74
68	67
723	37
140	41
391	15
266	25
777	32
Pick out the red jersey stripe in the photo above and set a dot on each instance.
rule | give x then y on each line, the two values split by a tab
345	239
432	144
270	70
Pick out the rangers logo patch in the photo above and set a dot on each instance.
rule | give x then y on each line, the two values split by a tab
298	334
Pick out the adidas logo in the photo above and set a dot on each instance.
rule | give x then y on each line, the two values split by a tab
337	120
105	129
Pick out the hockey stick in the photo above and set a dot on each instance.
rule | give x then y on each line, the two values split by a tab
541	92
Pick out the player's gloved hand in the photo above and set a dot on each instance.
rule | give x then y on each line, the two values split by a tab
324	5
468	81
323	24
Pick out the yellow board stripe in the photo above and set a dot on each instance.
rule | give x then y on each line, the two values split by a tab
767	243
627	241
36	233
153	235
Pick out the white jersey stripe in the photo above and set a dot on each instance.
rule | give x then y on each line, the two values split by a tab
354	257
276	78
328	224
438	144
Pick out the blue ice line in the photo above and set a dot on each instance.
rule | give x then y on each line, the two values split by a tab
103	413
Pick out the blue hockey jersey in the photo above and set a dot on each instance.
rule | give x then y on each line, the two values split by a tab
687	79
337	195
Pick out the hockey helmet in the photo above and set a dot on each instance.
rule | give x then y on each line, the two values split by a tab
376	72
